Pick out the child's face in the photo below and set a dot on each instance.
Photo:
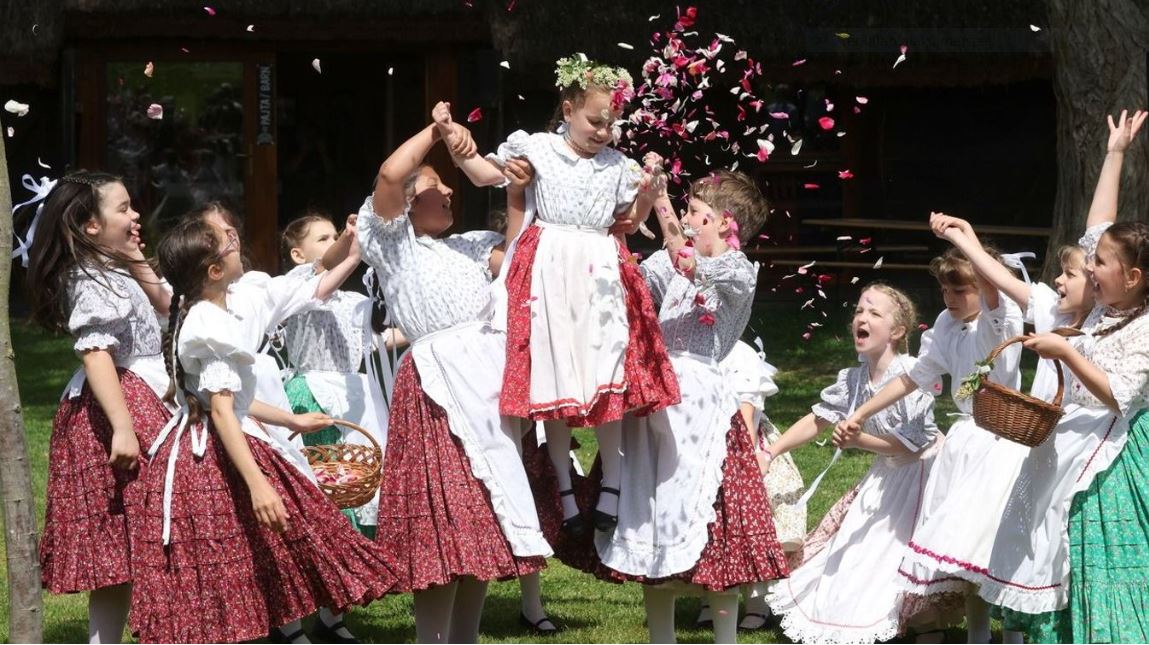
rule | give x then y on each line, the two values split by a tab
228	266
1074	290
875	326
117	227
431	205
707	225
590	122
963	301
220	223
1113	285
319	237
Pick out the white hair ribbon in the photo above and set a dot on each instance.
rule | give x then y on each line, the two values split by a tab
40	192
1014	261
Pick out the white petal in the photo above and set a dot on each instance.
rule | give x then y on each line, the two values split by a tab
16	107
316	65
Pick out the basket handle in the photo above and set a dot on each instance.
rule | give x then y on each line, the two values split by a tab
346	424
1060	394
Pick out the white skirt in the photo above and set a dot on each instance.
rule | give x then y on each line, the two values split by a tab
1029	567
850	590
461	369
671	472
579	328
962	506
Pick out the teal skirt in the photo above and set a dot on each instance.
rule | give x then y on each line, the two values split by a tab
1108	555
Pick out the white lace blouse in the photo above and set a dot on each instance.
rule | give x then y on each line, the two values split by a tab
911	419
329	337
110	311
705	316
569	189
429	284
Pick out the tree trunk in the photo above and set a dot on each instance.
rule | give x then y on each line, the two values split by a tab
25	606
1099	63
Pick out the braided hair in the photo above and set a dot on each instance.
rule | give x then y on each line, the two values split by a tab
185	253
1132	242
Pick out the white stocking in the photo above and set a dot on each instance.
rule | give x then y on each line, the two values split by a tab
107	613
610	452
468	610
659	614
558	449
433	609
976	619
724	613
531	594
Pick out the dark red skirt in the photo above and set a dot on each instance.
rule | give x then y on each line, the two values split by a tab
743	547
224	577
435	516
648	373
85	542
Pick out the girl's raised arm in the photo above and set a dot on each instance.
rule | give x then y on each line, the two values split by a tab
959	233
1104	205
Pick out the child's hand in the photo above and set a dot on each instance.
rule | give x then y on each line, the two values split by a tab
1121	133
268	507
309	421
625	223
685	263
520	173
125	453
351	225
460	142
441	116
1049	345
945	226
764	458
846	433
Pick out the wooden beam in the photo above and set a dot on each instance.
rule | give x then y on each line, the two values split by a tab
915	225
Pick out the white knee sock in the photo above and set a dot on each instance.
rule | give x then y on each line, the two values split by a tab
610	451
558	449
976	619
468	610
659	614
724	613
107	613
531	597
329	619
433	609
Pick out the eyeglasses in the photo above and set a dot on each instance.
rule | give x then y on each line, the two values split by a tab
232	245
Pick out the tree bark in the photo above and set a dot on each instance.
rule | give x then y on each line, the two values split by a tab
25	605
1099	62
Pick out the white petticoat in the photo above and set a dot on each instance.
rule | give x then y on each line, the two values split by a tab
964	499
850	591
461	369
579	328
671	472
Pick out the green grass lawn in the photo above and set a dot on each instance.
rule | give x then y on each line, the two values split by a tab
591	611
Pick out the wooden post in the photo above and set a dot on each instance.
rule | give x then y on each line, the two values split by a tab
25	605
260	141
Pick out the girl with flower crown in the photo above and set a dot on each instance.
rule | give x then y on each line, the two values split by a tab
582	333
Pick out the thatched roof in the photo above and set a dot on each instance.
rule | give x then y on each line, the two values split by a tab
952	42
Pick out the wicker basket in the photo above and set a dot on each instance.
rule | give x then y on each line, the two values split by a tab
365	462
1014	415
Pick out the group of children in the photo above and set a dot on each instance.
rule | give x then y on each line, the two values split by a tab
178	488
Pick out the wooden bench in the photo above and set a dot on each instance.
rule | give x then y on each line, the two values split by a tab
844	264
923	225
775	251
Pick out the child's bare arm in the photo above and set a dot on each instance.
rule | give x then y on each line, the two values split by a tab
1104	205
268	506
801	433
959	233
481	172
100	371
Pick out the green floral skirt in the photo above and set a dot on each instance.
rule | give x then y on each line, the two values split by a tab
1109	556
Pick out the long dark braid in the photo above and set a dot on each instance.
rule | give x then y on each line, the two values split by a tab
185	254
1132	242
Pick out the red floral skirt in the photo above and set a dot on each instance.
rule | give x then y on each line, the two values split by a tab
648	373
435	516
743	547
225	577
85	542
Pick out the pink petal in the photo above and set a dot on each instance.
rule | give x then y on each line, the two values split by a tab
811	186
845	174
826	123
155	111
800	61
149	69
475	115
209	10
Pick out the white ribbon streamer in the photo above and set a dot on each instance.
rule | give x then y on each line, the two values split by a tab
1014	261
178	423
40	192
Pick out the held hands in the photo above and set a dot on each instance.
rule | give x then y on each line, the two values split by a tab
945	226
458	138
1122	132
764	458
1049	345
268	507
125	453
653	182
520	173
846	433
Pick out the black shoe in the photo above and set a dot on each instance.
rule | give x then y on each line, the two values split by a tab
322	633
276	635
604	521
573	526
544	627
